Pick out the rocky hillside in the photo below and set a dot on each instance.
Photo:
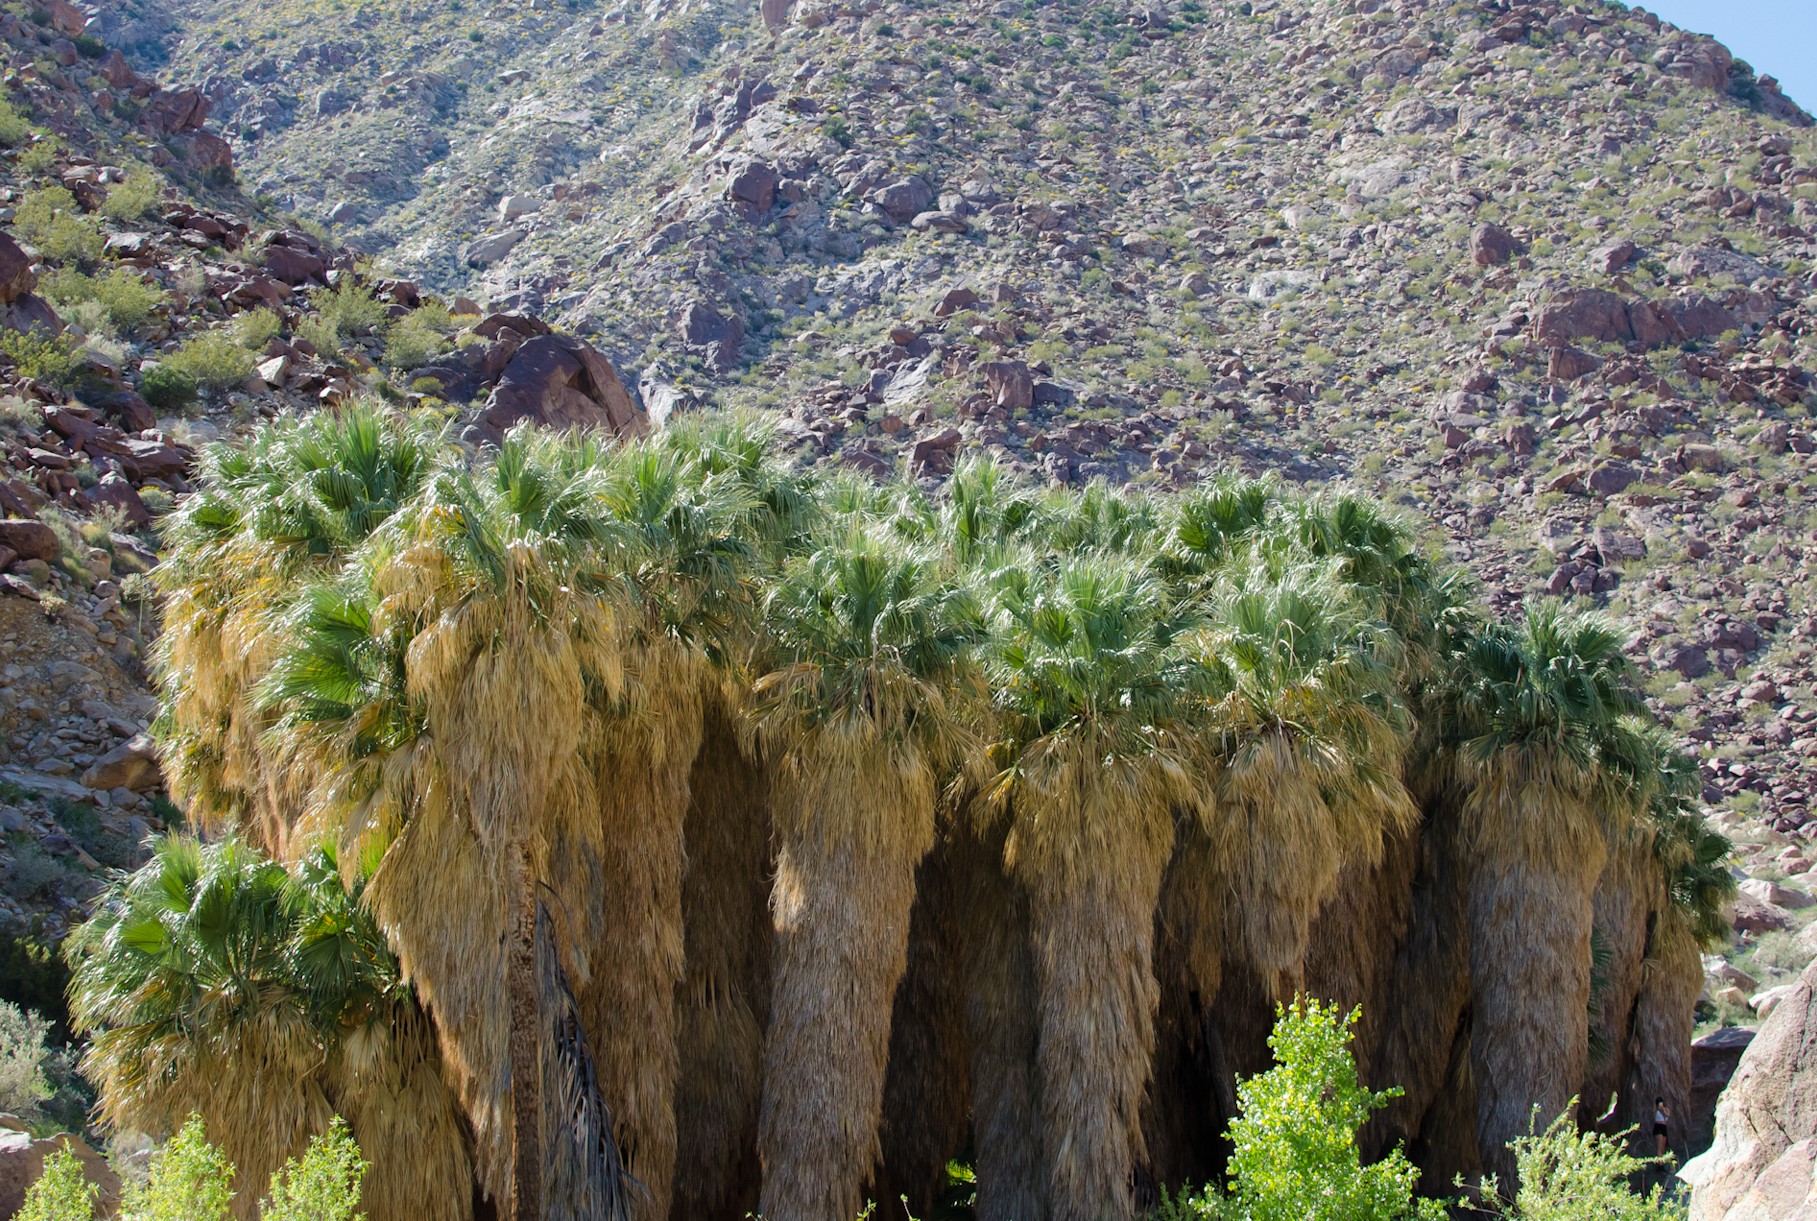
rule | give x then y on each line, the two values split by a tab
1540	271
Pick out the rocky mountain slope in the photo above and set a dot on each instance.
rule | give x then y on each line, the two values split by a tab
1543	273
1540	271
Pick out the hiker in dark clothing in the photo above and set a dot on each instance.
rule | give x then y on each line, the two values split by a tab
1662	1119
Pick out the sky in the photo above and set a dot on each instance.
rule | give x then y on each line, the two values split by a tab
1778	38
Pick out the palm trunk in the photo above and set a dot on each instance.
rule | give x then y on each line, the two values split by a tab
1002	1031
1428	989
1623	895
525	1044
1664	1021
927	1090
1092	911
641	776
1531	912
842	903
724	1001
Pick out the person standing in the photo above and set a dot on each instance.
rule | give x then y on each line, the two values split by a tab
1662	1125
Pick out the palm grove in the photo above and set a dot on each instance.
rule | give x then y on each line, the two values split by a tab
649	828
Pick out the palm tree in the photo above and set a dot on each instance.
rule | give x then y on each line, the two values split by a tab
212	981
1537	716
1301	751
1086	678
441	690
860	720
682	576
284	510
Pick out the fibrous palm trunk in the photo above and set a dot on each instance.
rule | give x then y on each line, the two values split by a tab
851	838
1531	912
1003	1033
1094	878
1624	896
724	1000
927	1091
642	761
525	1044
1429	983
1664	1021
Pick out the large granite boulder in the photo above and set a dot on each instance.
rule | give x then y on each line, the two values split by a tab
559	381
1763	1166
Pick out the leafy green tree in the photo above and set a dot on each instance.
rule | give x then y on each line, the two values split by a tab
1567	1175
191	1180
1295	1156
62	1192
322	1185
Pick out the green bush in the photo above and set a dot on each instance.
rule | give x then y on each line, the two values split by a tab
418	337
23	1084
324	1185
62	1192
320	334
1295	1156
212	360
40	355
1567	1175
14	129
352	310
48	218
128	299
256	329
34	976
190	1181
167	388
135	197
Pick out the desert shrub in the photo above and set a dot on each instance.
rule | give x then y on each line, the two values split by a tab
48	219
135	197
39	355
321	334
14	129
62	1192
127	298
167	388
1567	1175
23	1084
352	310
323	1185
417	337
38	158
212	360
256	329
191	1180
1295	1156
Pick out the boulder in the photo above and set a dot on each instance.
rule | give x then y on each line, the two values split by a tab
753	183
32	540
115	492
955	300
1750	915
170	112
22	1161
1492	245
513	206
131	765
295	267
66	18
489	250
559	381
903	199
16	275
1010	383
1714	1058
1608	478
719	335
1763	1163
1768	891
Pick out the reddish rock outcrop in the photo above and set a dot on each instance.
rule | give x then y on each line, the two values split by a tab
558	381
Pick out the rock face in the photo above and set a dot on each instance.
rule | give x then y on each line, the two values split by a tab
559	381
22	1161
1763	1166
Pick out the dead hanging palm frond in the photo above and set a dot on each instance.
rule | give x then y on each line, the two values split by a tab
265	519
583	1177
1300	747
